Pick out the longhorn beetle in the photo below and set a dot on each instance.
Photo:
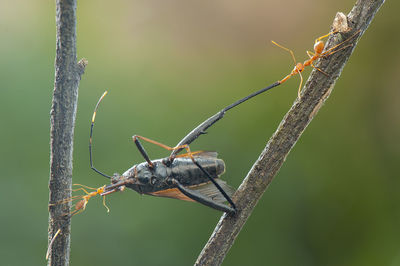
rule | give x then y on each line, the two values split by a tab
193	176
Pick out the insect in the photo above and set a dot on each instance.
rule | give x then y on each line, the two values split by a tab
319	46
192	176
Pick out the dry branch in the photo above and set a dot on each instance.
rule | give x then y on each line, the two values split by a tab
62	121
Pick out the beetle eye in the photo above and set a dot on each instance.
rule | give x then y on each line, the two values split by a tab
115	178
143	180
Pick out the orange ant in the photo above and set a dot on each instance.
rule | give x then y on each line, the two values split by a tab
83	200
319	46
80	206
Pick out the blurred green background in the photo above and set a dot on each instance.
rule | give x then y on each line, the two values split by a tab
168	66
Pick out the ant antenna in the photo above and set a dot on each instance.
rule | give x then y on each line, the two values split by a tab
91	137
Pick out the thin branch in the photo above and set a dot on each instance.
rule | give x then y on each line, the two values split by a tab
316	91
62	121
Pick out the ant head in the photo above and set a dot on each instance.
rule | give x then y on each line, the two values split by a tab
298	68
319	47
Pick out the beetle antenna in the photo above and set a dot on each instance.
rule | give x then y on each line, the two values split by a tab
91	137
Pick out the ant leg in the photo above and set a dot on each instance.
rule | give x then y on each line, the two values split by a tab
330	52
77	196
84	186
80	205
287	49
301	83
51	243
325	36
332	49
326	74
104	204
78	211
81	189
310	54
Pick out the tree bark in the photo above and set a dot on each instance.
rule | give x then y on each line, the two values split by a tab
62	121
315	92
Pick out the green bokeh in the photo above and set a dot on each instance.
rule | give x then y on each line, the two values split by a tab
169	65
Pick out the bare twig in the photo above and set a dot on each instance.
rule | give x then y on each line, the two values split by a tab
316	91
62	119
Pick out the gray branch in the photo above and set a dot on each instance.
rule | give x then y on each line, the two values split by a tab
315	92
62	121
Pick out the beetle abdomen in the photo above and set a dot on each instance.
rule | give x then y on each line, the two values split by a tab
187	173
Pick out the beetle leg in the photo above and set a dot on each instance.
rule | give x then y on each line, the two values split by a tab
215	184
202	199
144	153
142	150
